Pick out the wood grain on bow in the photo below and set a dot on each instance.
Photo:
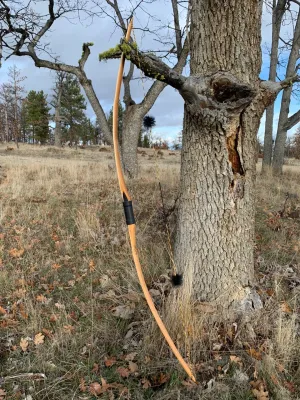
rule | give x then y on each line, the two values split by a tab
130	217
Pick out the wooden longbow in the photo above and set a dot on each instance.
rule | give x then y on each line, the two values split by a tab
129	215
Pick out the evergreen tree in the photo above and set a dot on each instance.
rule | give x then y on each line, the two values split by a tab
120	120
36	115
146	141
56	103
72	109
87	131
141	136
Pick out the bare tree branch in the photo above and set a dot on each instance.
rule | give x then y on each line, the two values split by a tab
292	121
115	6
177	28
31	44
126	81
295	1
276	87
152	66
158	86
85	54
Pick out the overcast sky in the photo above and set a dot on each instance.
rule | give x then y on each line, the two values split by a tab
66	40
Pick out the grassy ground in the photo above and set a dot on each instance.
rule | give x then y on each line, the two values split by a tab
71	310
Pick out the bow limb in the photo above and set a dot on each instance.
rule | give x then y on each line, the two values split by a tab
121	179
132	235
131	222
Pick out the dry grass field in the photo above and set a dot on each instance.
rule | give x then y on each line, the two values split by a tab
73	321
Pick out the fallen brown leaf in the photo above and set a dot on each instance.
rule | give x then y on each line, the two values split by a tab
236	360
254	354
95	368
60	306
24	344
160	379
259	390
123	372
189	384
2	394
69	329
39	339
48	333
15	253
130	357
290	386
280	367
110	361
146	383
285	307
92	266
2	311
82	386
133	367
124	312
260	395
53	318
104	384
95	388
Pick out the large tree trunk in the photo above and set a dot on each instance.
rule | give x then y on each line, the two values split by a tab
281	132
57	131
277	15
6	123
285	104
16	122
215	233
131	127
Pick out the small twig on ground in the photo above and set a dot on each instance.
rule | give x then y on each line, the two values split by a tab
24	377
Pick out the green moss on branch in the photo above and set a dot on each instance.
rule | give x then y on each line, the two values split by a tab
114	52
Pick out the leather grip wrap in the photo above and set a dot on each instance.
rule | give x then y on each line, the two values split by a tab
128	211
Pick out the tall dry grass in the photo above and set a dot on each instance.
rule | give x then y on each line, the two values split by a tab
75	282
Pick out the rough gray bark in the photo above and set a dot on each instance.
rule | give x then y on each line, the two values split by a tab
131	127
277	15
285	104
215	230
224	102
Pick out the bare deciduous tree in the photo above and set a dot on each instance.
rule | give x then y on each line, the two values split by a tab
281	13
224	102
60	78
278	10
22	36
11	97
285	122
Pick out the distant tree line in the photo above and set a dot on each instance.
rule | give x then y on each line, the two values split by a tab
32	118
292	148
28	118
